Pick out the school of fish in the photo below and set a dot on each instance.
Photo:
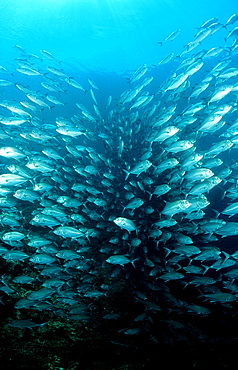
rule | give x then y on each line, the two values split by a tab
143	190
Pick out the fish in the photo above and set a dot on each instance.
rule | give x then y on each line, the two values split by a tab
160	190
54	100
208	23
202	34
167	59
11	179
39	166
27	323
67	254
231	210
23	279
10	152
68	232
134	203
167	276
47	54
13	121
205	186
175	207
42	259
232	19
171	36
233	33
37	100
139	73
165	133
125	223
28	71
118	260
229	229
177	81
161	152
15	256
92	83
165	165
220	93
139	168
57	72
179	146
26	194
69	131
141	101
74	83
199	174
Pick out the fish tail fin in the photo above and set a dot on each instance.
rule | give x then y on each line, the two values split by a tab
133	262
205	269
151	194
168	251
127	174
216	212
227	255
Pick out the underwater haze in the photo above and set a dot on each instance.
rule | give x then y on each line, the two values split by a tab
105	35
118	184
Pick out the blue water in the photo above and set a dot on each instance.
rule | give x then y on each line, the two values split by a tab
105	35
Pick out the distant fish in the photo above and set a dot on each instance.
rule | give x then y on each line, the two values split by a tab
167	59
74	83
26	323
57	72
139	73
170	37
93	84
28	71
47	54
